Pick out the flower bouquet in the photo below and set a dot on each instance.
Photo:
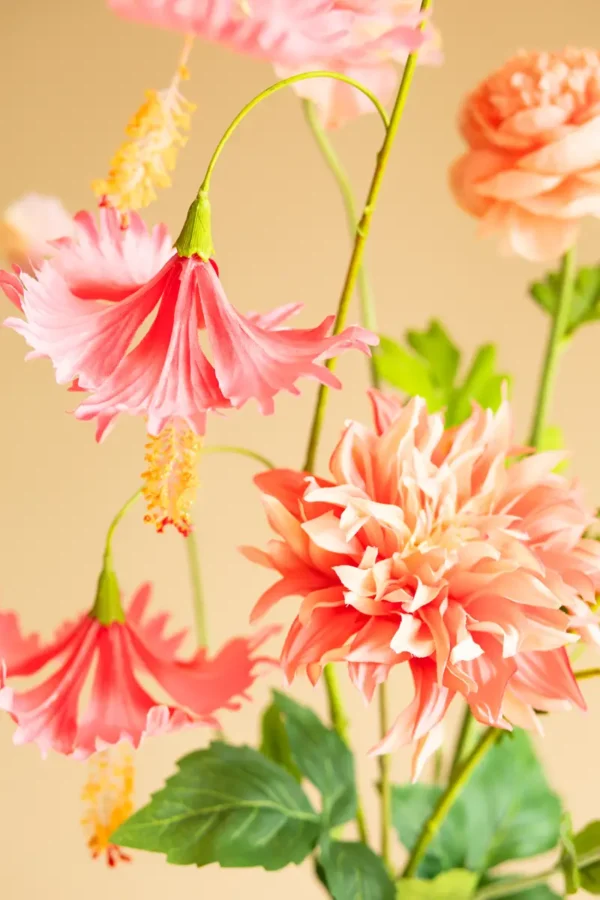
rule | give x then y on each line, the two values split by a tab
437	542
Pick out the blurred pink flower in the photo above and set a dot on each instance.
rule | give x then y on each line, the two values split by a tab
426	548
28	227
532	170
85	309
119	707
364	39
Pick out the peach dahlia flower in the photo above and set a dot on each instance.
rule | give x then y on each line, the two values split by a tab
435	548
115	654
532	168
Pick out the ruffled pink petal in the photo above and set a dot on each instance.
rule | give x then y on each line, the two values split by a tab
254	362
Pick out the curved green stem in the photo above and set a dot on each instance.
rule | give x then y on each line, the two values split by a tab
107	606
367	303
115	522
340	725
362	234
193	556
286	82
520	885
385	784
240	451
558	333
445	802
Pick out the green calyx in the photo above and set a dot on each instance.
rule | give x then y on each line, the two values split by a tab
107	607
196	236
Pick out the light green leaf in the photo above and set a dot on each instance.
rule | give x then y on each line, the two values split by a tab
482	385
442	354
585	306
457	884
588	841
506	811
407	373
568	859
228	805
539	892
322	757
275	744
353	872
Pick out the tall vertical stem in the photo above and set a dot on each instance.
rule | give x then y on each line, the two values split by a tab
558	331
362	233
385	784
368	317
197	590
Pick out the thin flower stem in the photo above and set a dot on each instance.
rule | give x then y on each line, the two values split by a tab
584	674
520	885
340	724
558	333
463	741
367	303
447	799
240	451
293	79
193	556
362	234
385	784
114	524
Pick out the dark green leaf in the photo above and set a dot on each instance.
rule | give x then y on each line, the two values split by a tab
322	757
588	842
353	872
407	372
506	811
275	744
457	884
435	346
228	805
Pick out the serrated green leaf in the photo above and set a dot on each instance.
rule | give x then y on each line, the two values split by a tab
228	805
353	872
406	372
585	304
275	744
588	841
457	884
436	347
506	811
322	757
482	385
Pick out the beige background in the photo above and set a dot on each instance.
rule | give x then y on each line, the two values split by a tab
70	76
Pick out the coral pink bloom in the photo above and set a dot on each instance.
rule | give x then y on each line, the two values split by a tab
28	228
162	373
425	548
532	170
119	707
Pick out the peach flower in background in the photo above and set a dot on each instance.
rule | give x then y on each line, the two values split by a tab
532	170
28	227
364	39
165	376
425	548
119	708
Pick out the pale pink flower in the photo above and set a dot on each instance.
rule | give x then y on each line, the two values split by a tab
120	706
440	549
532	170
162	373
28	228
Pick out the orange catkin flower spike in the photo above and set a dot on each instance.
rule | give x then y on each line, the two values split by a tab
170	480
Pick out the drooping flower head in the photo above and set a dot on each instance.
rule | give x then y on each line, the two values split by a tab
120	655
364	39
532	170
440	549
120	314
28	227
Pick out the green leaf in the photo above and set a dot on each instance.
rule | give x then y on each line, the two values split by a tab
587	842
506	811
458	884
482	385
568	860
353	872
585	306
436	347
322	757
275	744
406	372
539	892
228	805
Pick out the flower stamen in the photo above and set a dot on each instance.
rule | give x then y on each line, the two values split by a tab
108	796
170	480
